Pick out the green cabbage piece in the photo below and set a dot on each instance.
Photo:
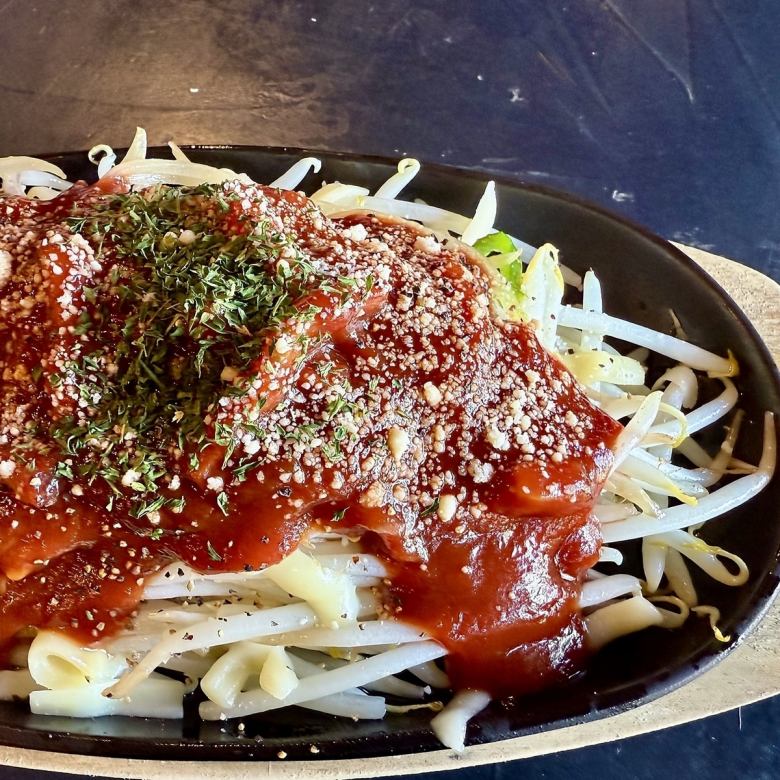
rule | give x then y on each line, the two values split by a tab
503	260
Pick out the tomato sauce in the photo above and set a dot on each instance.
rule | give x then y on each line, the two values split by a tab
386	399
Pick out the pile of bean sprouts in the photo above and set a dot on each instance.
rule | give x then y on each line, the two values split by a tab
307	631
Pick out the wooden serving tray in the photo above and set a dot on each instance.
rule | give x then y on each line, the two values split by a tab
748	674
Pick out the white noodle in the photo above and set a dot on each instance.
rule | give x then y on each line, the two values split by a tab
653	561
693	356
137	148
450	724
637	429
407	170
484	216
291	178
177	152
104	157
708	558
591	302
670	618
348	705
703	416
694	452
214	632
608	588
147	173
610	555
375	632
623	617
717	503
432	217
431	674
679	577
684	380
327	683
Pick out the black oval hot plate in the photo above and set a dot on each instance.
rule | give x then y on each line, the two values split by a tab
643	278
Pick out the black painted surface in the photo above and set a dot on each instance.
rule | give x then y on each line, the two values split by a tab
736	744
667	112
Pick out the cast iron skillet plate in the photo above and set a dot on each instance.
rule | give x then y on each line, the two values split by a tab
643	277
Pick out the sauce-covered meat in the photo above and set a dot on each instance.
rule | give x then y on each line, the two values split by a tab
207	375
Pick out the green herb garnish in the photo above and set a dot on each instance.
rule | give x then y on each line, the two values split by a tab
172	314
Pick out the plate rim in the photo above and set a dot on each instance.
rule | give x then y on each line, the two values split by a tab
657	688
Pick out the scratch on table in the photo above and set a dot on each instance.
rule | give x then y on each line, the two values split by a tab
404	22
584	68
516	97
581	122
622	197
499	160
745	60
665	62
6	6
556	67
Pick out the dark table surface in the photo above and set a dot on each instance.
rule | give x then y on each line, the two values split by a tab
667	112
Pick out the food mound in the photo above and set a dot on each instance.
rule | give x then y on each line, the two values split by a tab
210	374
